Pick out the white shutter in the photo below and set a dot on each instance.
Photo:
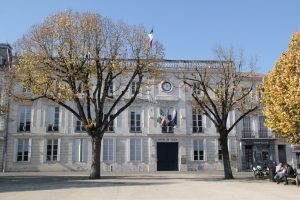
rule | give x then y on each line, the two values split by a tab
29	149
142	117
58	149
229	147
138	149
216	149
76	150
15	150
208	122
85	150
204	149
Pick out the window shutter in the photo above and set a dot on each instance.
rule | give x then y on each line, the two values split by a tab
132	150
29	149
208	122
58	149
15	150
204	149
76	150
85	150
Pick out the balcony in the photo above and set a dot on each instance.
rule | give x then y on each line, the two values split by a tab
263	133
197	129
167	129
248	134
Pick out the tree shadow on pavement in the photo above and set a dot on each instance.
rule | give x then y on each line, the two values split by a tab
35	183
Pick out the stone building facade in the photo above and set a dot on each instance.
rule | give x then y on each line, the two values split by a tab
44	136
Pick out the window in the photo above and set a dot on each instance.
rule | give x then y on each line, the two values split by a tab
108	149
79	126
298	160
198	150
135	150
23	150
53	119
2	123
263	130
265	155
111	88
80	150
247	127
220	152
196	88
52	150
133	87
25	118
25	89
135	121
197	121
110	127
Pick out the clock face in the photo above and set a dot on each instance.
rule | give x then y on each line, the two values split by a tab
166	86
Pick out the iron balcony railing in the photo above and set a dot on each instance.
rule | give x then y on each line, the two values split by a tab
259	134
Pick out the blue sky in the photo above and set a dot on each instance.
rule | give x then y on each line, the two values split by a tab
189	29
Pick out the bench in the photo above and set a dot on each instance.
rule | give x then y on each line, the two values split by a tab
295	177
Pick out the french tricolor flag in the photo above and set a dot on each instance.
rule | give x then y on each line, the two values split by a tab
151	38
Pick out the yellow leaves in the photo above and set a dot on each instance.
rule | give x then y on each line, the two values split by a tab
282	93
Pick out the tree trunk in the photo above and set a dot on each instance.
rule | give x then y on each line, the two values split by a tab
96	150
226	159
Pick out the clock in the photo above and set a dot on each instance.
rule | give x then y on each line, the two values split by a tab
166	86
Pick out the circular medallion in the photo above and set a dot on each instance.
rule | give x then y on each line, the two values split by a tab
166	86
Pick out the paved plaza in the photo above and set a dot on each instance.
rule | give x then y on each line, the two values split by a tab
205	185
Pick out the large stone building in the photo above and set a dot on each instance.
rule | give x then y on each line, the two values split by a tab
44	136
5	62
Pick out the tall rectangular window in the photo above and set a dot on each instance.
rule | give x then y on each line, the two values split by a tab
262	130
25	118
220	152
135	121
111	88
52	150
110	127
247	132
23	150
108	149
199	150
81	150
79	126
196	88
2	120
135	150
298	160
53	119
133	87
197	121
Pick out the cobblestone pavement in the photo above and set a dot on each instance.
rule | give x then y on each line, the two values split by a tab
204	185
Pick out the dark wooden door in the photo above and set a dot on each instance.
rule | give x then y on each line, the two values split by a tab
167	156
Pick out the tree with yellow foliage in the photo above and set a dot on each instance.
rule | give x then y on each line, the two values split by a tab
87	64
281	94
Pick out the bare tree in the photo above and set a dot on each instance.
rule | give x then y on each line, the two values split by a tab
87	64
220	89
